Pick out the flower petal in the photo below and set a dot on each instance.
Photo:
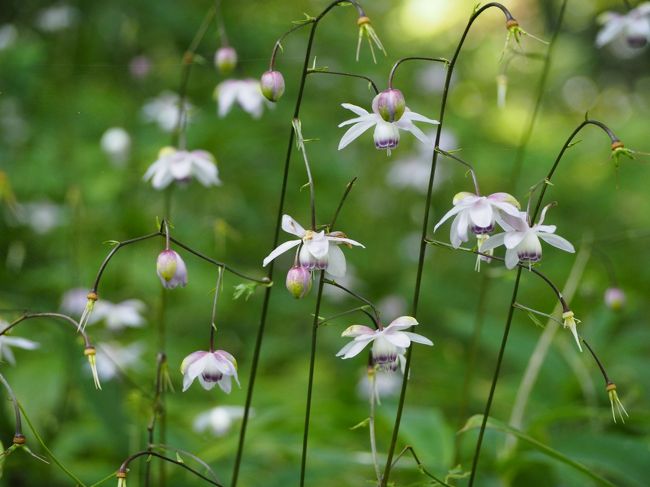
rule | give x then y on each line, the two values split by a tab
280	249
512	239
557	241
402	323
345	240
291	226
448	215
416	117
493	242
352	349
318	246
418	338
355	109
357	330
397	338
512	259
481	214
354	132
336	265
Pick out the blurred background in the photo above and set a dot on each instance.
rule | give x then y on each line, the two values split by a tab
70	71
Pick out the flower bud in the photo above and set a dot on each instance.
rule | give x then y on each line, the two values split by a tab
390	105
386	135
298	281
171	269
614	298
225	59
272	85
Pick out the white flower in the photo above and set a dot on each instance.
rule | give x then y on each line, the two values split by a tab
116	144
316	251
218	420
522	240
8	341
246	92
211	368
57	17
181	166
386	134
633	27
41	216
477	213
385	385
389	344
8	36
117	316
114	357
164	109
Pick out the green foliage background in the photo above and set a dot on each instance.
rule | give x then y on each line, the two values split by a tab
70	86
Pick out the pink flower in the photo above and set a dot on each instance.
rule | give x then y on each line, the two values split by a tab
211	368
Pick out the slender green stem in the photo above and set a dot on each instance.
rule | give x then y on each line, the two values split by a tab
105	479
393	70
157	409
464	163
217	292
349	75
425	225
221	26
409	449
348	312
276	237
310	383
28	316
371	422
58	463
598	362
14	401
358	297
297	127
541	87
146	453
348	188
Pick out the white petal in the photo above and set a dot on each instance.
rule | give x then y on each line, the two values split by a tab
609	31
557	241
280	249
194	370
23	343
357	331
493	242
416	117
346	241
318	246
481	214
448	215
410	127
397	338
510	209
362	119
291	226
354	132
402	323
355	109
418	338
336	265
352	349
512	239
512	259
227	94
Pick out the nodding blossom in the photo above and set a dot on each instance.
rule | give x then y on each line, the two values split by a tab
386	134
633	27
522	240
211	368
181	166
318	250
225	59
164	110
245	92
389	344
171	269
477	214
218	420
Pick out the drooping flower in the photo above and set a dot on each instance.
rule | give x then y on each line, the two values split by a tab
171	269
116	144
246	92
391	105
615	402
118	316
113	357
477	214
522	240
272	85
164	110
615	298
225	59
6	342
218	420
181	166
211	368
389	344
380	383
318	250
633	27
386	134
569	321
367	30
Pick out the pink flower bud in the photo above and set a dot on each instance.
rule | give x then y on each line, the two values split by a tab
272	85
171	269
298	281
614	298
225	59
390	105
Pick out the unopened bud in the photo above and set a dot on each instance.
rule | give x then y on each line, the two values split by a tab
225	59
298	281
391	105
272	85
171	269
614	298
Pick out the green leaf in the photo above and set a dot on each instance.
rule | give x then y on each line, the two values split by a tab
475	422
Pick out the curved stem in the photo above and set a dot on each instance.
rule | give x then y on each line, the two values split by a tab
349	75
358	297
412	58
348	188
213	326
278	43
297	127
528	131
420	465
464	163
157	409
125	465
598	362
14	401
66	318
310	383
612	137
425	224
348	312
276	237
